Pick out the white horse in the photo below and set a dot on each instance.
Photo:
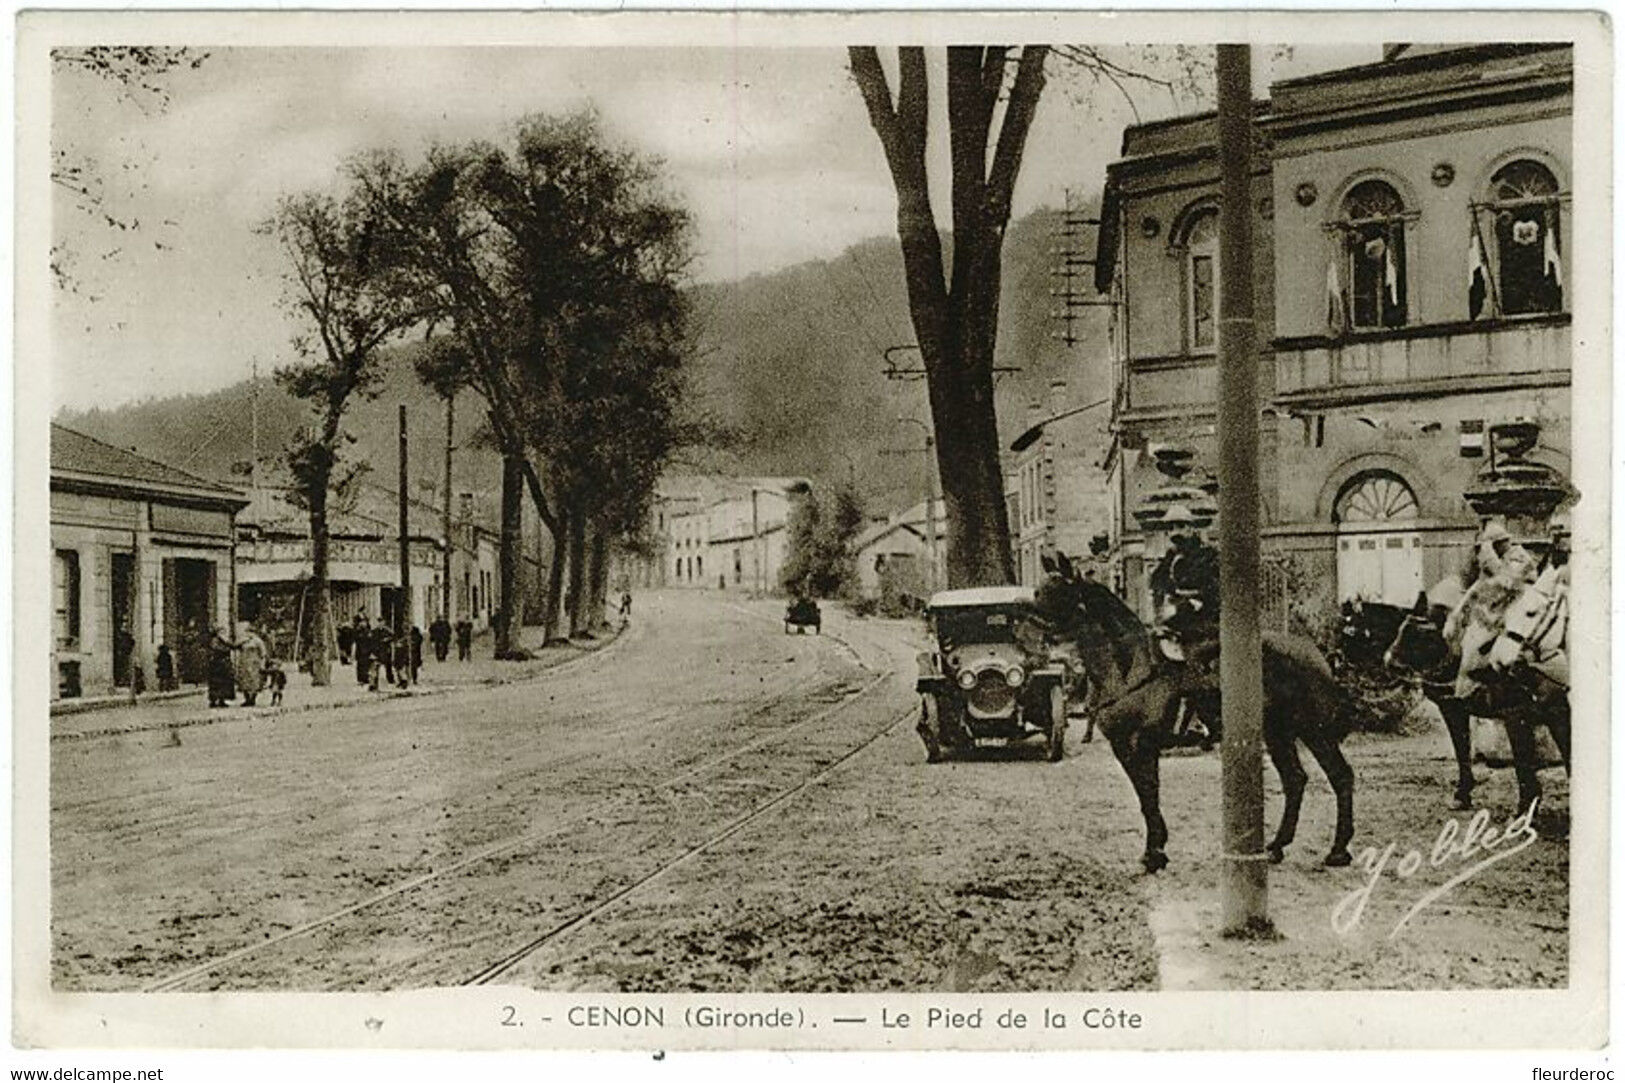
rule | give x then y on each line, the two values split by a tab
1531	657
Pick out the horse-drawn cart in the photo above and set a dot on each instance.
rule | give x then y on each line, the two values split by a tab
991	676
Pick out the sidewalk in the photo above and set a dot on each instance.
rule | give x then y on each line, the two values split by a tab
173	710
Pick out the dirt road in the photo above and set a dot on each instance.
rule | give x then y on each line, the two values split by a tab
711	805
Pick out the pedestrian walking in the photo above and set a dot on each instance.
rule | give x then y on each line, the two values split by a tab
166	669
440	637
222	683
276	680
248	663
626	605
383	655
416	649
362	645
465	639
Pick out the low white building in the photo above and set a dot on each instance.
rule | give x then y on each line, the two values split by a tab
895	557
730	533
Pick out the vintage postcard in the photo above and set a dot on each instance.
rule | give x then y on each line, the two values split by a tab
702	531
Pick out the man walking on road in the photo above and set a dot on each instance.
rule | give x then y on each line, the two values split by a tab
362	644
440	636
465	639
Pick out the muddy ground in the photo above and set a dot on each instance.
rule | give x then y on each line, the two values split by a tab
468	827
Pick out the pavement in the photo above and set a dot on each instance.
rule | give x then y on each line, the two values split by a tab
189	708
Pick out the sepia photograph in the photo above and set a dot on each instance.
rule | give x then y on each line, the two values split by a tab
635	523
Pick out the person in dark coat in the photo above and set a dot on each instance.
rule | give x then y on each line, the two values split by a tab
166	669
440	636
222	681
465	639
416	651
346	642
361	643
383	654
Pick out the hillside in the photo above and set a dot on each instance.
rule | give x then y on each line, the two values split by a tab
791	363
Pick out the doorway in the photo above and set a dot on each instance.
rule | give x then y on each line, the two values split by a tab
123	623
189	607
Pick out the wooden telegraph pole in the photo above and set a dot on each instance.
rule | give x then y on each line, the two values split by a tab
403	615
1245	900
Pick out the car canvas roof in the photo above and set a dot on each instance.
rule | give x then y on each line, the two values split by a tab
972	596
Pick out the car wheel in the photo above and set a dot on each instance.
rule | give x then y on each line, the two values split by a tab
929	721
1056	747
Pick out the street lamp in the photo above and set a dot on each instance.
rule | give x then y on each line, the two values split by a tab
930	495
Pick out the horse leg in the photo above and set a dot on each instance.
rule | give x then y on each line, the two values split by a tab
1283	750
1137	751
1459	725
1324	748
1521	736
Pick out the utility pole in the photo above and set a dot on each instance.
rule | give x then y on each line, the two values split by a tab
403	617
1245	899
445	515
930	498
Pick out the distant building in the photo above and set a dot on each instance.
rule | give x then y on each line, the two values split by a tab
274	556
728	533
1411	223
894	556
142	558
1057	495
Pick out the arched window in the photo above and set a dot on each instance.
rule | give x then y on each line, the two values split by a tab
1529	271
1379	552
1201	245
1373	232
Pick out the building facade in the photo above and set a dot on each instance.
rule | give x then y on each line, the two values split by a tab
1410	221
727	533
142	558
274	567
896	558
1057	497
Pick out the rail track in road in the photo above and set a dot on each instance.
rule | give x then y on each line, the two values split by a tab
502	853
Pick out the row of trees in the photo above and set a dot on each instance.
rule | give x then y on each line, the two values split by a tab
819	561
546	277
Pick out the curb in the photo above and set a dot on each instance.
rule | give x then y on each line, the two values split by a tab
294	709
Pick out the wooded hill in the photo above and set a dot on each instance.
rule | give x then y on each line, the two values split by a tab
791	365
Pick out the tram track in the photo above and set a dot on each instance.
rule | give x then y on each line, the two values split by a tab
512	845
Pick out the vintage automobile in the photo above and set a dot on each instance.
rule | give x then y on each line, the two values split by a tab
802	613
991	676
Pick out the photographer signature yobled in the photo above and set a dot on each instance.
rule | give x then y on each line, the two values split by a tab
1471	846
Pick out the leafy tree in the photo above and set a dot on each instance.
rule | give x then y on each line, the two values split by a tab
819	556
340	282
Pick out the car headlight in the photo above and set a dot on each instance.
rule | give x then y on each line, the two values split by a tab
1014	676
967	679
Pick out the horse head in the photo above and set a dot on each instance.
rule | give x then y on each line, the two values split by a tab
1418	644
1103	630
1533	623
1367	630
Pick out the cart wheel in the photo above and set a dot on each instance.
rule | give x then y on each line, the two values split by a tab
1057	724
928	728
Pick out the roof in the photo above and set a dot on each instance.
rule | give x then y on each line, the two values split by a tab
74	453
949	599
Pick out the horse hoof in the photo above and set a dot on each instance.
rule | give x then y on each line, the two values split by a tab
1462	804
1339	859
1154	862
1277	854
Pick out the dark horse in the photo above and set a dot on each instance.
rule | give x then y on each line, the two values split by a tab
1377	634
1137	702
1419	645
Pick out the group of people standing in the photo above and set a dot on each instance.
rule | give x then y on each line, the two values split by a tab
382	655
241	665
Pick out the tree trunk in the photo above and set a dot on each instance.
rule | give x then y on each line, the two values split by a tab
956	317
597	572
508	554
554	606
321	603
578	574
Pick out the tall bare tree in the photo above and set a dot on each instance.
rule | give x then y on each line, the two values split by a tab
954	299
340	283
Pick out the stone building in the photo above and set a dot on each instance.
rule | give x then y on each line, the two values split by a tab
727	533
142	557
1056	495
1410	219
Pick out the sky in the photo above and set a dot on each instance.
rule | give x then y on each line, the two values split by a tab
770	149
